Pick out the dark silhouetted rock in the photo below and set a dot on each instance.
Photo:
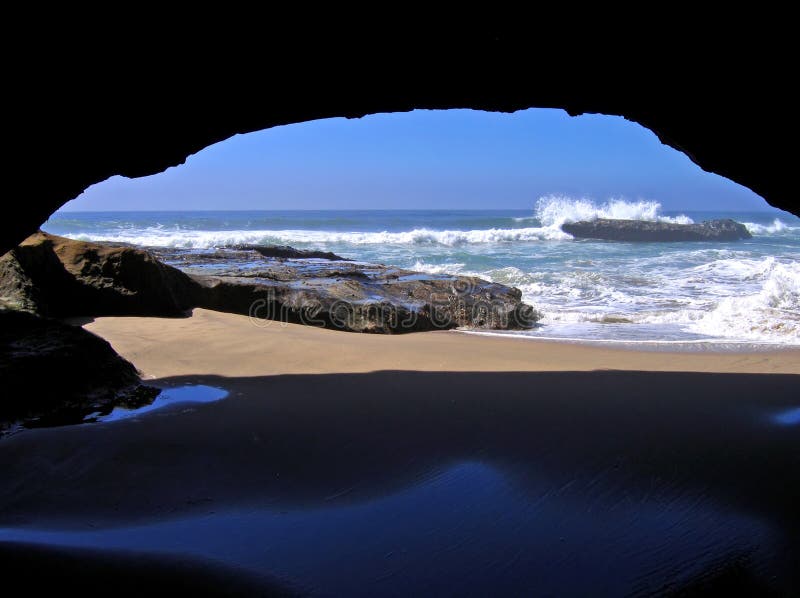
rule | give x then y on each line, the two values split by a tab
54	276
647	231
60	373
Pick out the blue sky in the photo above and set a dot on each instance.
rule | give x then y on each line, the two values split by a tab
428	159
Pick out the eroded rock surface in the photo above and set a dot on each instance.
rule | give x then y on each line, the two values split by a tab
53	276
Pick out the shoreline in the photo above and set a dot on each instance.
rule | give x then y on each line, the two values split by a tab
714	346
222	344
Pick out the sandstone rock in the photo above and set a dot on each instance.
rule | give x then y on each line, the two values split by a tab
54	276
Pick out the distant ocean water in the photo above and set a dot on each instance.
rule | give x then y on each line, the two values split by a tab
732	294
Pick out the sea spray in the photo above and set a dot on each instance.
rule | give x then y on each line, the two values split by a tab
777	227
153	237
555	210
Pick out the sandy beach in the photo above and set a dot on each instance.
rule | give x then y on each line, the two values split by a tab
220	344
435	462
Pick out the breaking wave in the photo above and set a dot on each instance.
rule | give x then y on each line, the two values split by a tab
742	299
153	237
555	210
768	229
770	313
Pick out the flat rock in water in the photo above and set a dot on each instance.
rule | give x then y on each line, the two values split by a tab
647	231
287	252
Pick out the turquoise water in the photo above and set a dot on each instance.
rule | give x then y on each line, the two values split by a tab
731	293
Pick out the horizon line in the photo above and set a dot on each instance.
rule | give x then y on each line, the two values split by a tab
767	208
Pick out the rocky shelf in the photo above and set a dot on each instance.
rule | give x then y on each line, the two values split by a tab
57	277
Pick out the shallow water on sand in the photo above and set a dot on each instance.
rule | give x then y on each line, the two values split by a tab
169	397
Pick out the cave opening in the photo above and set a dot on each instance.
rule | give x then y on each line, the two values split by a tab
174	318
468	193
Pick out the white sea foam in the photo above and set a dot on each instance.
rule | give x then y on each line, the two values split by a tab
732	299
739	269
421	236
555	210
771	312
452	269
777	226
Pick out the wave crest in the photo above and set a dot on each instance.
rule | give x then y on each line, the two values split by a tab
153	237
767	229
770	314
555	210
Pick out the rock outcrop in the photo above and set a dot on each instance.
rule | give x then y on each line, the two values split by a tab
54	276
55	373
52	372
647	231
366	298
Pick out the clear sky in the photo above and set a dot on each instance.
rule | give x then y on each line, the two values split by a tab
455	159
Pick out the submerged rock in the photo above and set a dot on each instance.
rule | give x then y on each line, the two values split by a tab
647	231
286	252
52	372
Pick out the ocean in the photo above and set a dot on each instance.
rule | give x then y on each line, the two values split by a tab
722	295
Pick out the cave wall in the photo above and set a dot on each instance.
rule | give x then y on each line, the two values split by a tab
75	122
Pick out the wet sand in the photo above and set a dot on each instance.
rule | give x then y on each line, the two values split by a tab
374	466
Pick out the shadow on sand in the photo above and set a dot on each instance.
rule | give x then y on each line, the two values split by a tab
631	482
